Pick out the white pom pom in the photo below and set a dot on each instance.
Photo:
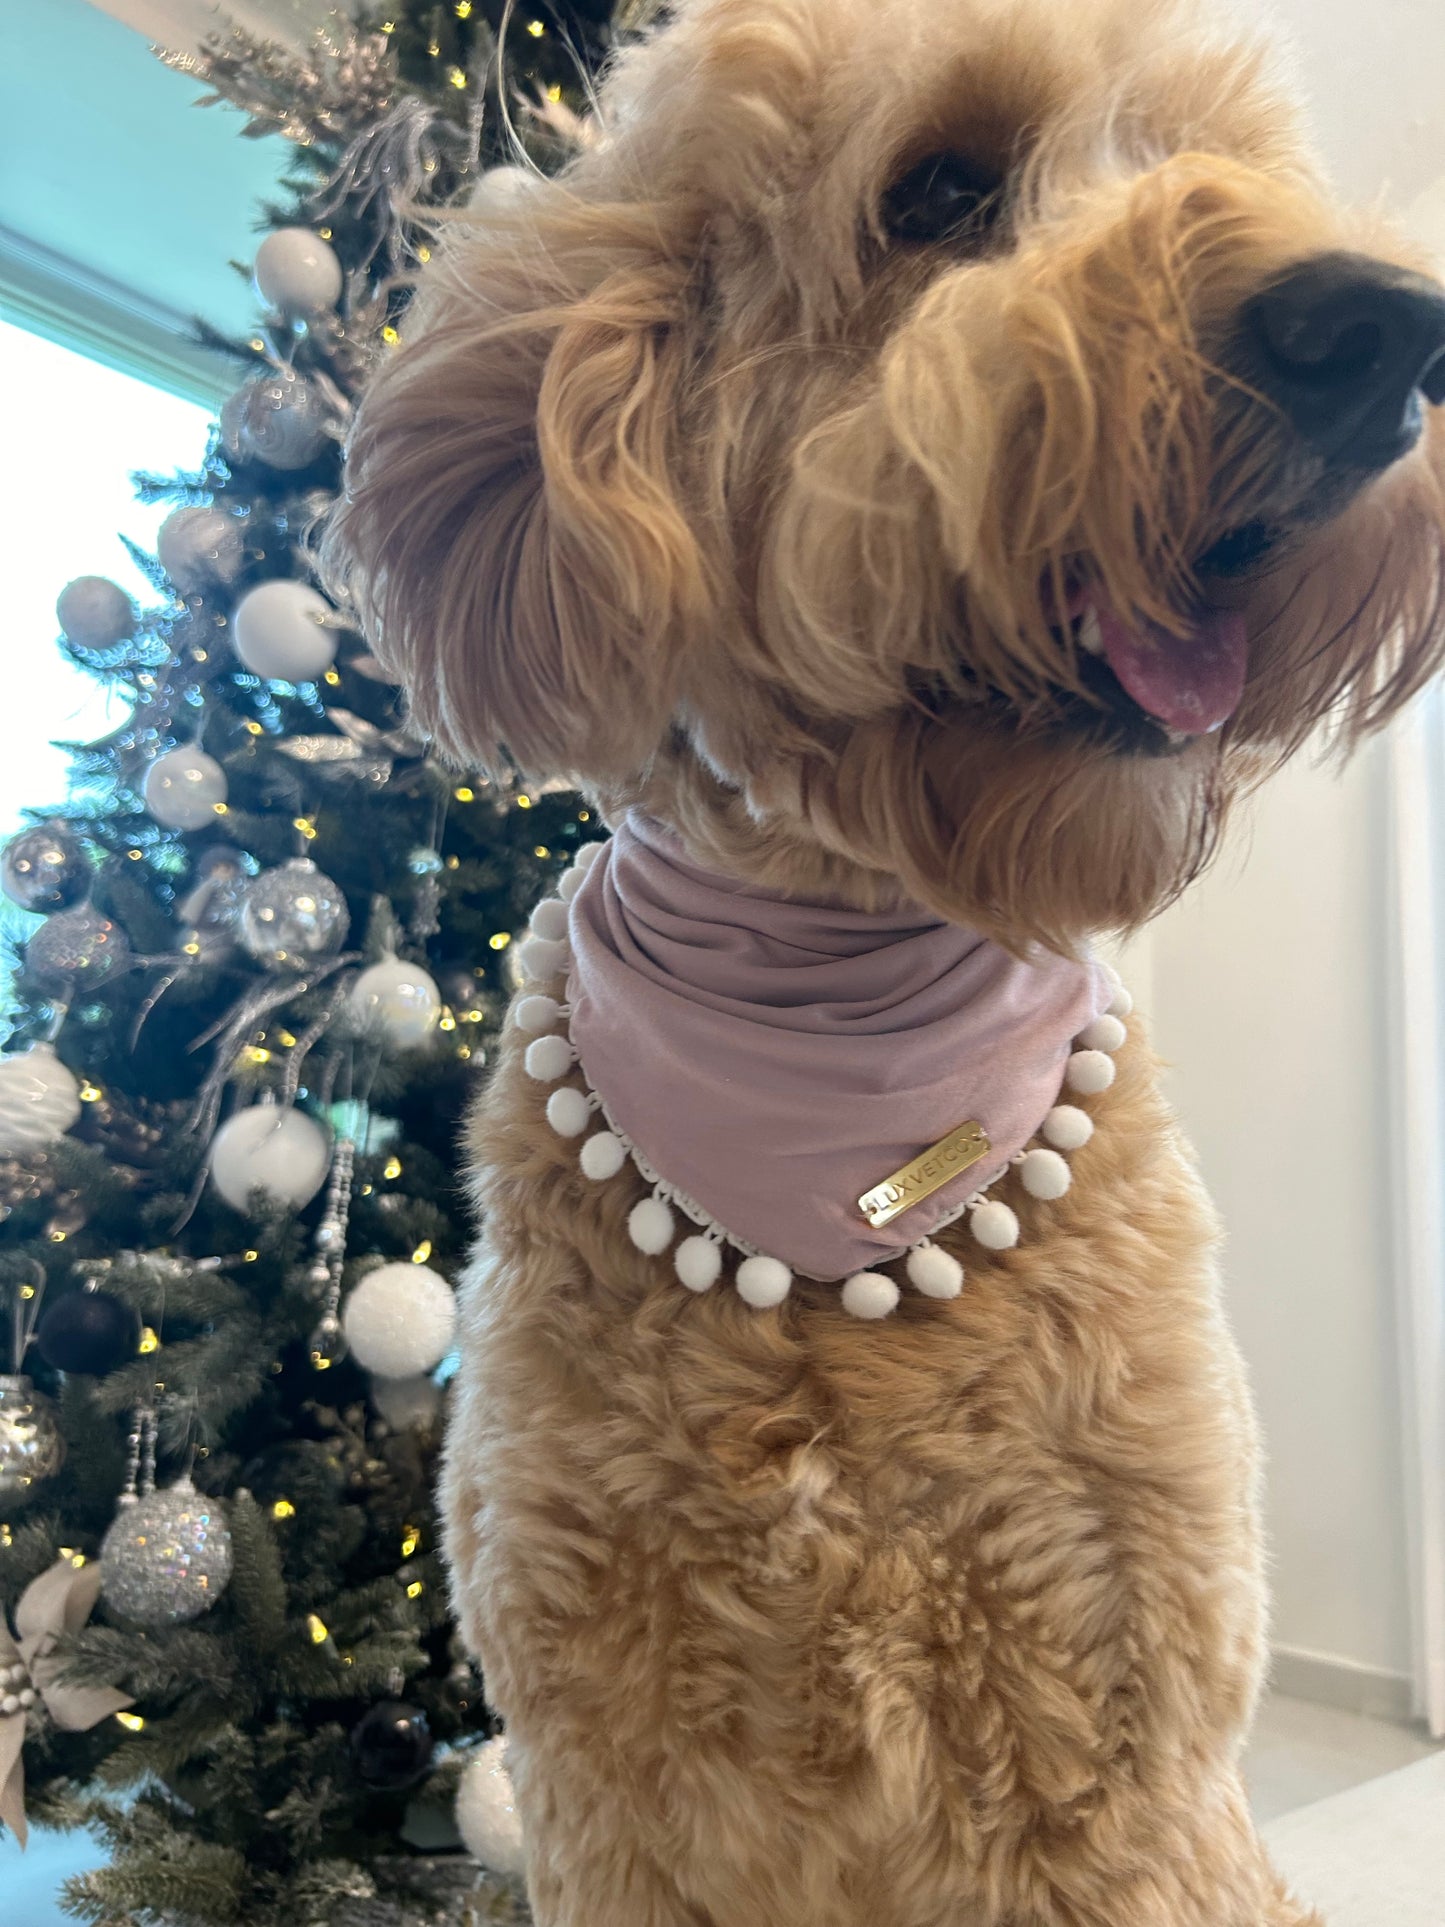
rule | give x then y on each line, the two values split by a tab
541	958
587	856
762	1282
650	1225
1045	1174
1105	1033
1068	1128
934	1272
571	883
697	1262
400	1320
1089	1072
549	919
568	1112
486	1811
868	1294
1123	1002
603	1156
994	1225
549	1058
536	1013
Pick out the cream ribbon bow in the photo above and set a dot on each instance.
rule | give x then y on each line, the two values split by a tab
58	1602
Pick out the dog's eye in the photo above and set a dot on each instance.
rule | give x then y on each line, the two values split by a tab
941	197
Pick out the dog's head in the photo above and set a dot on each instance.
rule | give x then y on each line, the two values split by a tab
955	447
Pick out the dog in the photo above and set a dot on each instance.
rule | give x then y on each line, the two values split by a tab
925	463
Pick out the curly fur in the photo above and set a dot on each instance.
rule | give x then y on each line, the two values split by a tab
690	483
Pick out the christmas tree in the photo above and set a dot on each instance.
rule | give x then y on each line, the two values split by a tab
270	939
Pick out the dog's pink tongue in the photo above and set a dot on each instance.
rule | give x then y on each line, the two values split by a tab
1191	684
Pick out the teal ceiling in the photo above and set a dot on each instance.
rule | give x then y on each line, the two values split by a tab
121	203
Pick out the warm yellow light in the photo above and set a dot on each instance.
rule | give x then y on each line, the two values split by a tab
434	48
306	827
584	816
27	1291
500	941
464	1050
134	855
253	729
333	678
456	76
392	1168
221	809
317	1630
191	949
76	1557
476	1016
524	802
423	254
149	1341
464	9
89	1093
410	1540
541	850
415	1589
554	93
324	232
132	1722
448	1022
200	655
388	26
257	1054
454	863
7	1537
283	1509
422	1252
367	1189
285	1037
256	345
464	795
390	336
250	1257
536	29
57	1237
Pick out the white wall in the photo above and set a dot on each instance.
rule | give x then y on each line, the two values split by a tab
1265	991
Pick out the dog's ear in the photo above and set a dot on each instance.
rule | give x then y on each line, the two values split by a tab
511	532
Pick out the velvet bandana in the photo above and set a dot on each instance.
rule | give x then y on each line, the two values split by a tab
774	1058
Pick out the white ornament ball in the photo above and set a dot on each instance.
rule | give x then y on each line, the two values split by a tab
763	1282
94	612
994	1225
548	1058
1068	1128
280	631
568	1112
1089	1072
396	1002
1105	1033
698	1263
603	1156
407	1404
486	1811
549	919
183	788
536	1013
297	272
650	1226
935	1272
39	1100
1044	1174
270	1148
400	1320
200	546
869	1294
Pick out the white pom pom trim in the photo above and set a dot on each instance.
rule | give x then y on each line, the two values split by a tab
1044	1174
698	1262
587	856
536	1013
548	1058
1068	1128
651	1226
542	958
934	1272
1089	1072
603	1156
762	1282
1105	1033
1123	1004
869	1294
549	919
994	1225
568	1112
570	885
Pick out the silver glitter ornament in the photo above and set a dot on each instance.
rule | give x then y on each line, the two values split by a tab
166	1558
292	915
278	418
45	868
198	546
94	612
31	1445
76	950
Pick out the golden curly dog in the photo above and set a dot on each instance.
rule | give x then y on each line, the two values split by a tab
758	472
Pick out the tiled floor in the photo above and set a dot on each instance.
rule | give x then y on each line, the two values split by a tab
1300	1754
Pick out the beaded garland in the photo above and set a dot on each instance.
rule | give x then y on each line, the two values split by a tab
760	1280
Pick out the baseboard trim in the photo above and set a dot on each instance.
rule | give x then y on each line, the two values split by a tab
1343	1684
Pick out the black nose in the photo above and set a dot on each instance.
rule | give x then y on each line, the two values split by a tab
1350	349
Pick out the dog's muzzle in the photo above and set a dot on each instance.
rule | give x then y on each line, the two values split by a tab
1349	349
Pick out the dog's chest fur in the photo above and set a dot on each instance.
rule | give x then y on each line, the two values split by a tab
881	1599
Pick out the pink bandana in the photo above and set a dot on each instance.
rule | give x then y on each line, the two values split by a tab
773	1059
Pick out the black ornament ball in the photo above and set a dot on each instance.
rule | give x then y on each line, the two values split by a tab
88	1331
45	868
392	1745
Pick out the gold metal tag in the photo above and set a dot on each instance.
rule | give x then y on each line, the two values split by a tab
927	1173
